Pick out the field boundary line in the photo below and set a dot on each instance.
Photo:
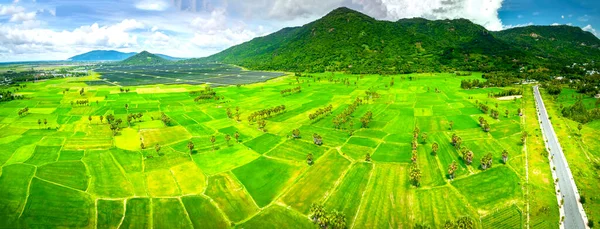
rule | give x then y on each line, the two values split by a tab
362	197
28	192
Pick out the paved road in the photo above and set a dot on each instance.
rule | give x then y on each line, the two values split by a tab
574	216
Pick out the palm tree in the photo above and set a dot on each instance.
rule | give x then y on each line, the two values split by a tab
309	159
237	136
414	155
451	124
212	141
317	212
101	118
337	220
424	136
579	127
414	144
227	139
506	113
415	174
190	146
126	106
451	169
157	148
296	133
434	148
39	123
368	157
90	118
142	145
468	156
45	122
504	156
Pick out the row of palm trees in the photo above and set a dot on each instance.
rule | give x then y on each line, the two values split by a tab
23	111
265	113
82	102
324	219
366	119
320	113
290	91
346	115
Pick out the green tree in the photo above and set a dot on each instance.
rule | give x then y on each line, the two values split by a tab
451	125
309	159
212	141
101	118
157	148
368	157
190	146
451	169
580	127
296	133
504	156
227	139
415	174
237	136
424	137
39	123
45	122
142	145
90	118
434	148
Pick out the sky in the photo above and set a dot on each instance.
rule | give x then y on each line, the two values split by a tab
58	29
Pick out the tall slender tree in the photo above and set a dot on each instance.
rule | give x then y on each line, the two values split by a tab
212	141
434	148
237	136
190	146
227	139
504	156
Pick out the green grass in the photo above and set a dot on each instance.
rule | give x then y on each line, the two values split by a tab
203	213
278	217
110	213
68	173
169	213
488	188
137	214
347	196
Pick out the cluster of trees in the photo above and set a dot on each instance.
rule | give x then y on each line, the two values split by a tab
486	161
206	94
82	102
484	108
23	111
509	92
320	113
8	96
464	222
371	94
165	119
135	117
124	89
115	124
317	139
456	141
231	115
463	73
494	113
452	169
485	126
366	119
265	113
468	84
325	219
415	174
346	115
40	122
467	155
580	113
290	91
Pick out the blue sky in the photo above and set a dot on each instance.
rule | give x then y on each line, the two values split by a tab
58	29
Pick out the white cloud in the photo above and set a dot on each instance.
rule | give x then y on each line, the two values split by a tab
154	28
153	5
22	16
562	16
217	20
216	31
10	9
158	39
590	29
517	25
555	24
584	18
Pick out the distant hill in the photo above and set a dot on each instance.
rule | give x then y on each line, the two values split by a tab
347	40
144	58
111	55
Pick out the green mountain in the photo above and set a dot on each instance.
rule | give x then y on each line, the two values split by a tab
111	55
346	40
144	58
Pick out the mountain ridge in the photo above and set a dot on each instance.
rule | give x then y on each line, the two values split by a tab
347	40
145	58
112	55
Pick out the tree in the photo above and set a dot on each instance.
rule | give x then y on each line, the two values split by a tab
520	112
317	212
424	137
580	127
451	125
90	118
309	159
237	136
317	139
190	146
142	145
126	106
524	137
227	139
296	133
434	148
157	148
451	169
212	141
506	113
39	123
101	118
414	156
337	220
468	157
486	161
45	122
465	222
504	156
368	157
415	174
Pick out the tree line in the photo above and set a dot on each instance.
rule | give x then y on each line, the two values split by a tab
289	91
346	115
320	113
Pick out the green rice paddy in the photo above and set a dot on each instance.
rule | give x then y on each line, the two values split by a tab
72	172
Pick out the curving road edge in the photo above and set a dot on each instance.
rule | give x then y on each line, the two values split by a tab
572	210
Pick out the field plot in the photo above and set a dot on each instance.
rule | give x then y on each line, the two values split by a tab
188	162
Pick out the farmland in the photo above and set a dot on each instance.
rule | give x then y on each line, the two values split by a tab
63	165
